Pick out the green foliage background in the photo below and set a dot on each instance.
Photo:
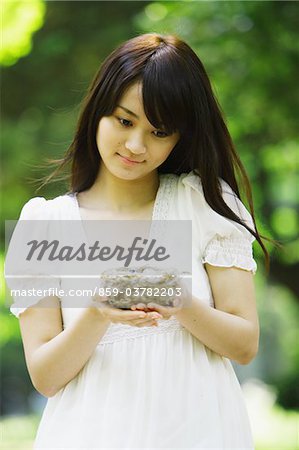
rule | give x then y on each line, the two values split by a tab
251	52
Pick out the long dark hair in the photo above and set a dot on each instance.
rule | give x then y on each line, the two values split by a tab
177	92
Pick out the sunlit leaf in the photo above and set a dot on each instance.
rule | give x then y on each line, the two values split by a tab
20	20
285	221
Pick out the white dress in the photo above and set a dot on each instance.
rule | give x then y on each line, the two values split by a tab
155	387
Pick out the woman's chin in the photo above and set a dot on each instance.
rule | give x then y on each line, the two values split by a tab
127	175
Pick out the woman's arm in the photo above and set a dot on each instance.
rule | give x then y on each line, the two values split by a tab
55	356
231	329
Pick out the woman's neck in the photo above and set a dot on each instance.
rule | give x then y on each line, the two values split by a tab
119	195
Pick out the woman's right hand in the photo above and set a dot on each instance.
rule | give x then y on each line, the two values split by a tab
127	317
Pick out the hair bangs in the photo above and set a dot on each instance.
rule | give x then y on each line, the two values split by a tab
162	100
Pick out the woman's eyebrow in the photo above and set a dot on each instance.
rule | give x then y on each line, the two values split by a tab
128	111
133	114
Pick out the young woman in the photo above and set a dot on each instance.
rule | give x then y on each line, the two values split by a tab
151	144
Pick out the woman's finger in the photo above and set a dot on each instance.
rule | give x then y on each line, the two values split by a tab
166	311
154	315
131	315
146	319
145	323
140	306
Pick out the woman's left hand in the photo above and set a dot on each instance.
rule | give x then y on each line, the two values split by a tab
165	311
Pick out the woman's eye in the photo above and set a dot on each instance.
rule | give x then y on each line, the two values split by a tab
124	122
127	123
160	134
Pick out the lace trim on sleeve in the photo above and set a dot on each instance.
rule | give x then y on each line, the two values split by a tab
230	252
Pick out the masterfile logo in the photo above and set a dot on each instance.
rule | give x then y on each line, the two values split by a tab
70	256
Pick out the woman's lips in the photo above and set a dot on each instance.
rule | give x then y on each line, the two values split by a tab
127	161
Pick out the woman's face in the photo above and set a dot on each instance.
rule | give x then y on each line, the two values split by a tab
129	146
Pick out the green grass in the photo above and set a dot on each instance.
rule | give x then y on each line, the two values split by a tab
277	430
273	427
18	432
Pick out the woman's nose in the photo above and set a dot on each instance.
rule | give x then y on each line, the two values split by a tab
135	144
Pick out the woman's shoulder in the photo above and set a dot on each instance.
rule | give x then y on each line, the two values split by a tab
190	187
222	241
192	180
40	208
183	179
190	196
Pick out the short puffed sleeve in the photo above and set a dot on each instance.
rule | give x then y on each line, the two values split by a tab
28	283
223	242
